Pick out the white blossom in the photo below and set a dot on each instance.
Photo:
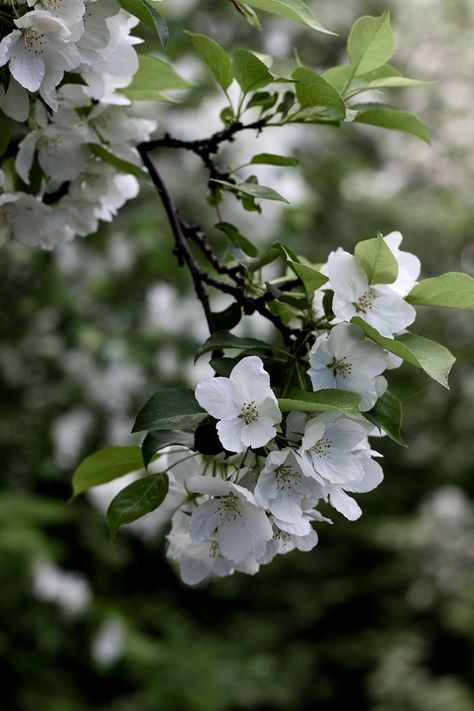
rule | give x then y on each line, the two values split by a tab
327	447
232	514
22	217
409	265
70	11
378	304
62	152
282	485
244	405
344	360
283	542
196	561
39	51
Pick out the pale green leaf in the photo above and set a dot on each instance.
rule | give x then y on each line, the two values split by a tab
387	77
217	59
377	260
292	10
312	91
428	355
105	465
312	278
338	76
454	290
152	78
370	43
251	73
323	401
393	119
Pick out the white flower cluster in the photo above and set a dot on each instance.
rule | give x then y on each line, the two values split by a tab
66	59
261	499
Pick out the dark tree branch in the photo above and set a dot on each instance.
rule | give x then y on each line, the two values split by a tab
184	232
182	250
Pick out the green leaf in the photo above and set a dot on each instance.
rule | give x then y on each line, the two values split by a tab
428	355
224	339
228	318
136	500
338	76
250	72
152	78
387	77
237	238
292	10
159	439
170	409
4	133
393	119
146	12
453	290
370	43
312	279
287	298
377	260
323	401
250	15
286	104
105	465
123	165
387	415
273	159
254	190
312	90
263	99
223	366
216	58
267	258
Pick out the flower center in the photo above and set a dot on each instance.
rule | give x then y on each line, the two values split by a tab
284	476
214	550
249	412
365	302
229	507
7	213
48	145
340	367
322	447
282	536
35	42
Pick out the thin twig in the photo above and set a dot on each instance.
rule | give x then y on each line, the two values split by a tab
182	231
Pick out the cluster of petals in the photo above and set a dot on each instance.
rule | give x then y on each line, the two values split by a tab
342	357
262	499
61	117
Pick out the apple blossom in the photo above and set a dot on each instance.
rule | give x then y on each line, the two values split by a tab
344	360
244	405
232	513
378	304
327	448
282	485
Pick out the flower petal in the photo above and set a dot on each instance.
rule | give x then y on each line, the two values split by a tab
216	395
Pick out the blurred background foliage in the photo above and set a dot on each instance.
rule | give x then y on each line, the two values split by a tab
380	616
